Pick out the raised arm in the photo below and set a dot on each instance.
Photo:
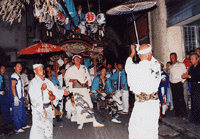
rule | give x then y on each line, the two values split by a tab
129	61
132	51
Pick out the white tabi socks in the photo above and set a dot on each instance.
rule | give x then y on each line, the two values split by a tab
80	126
96	124
164	109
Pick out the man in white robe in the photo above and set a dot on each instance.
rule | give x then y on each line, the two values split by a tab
42	113
143	80
78	78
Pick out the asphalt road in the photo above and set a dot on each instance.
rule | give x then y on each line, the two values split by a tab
169	129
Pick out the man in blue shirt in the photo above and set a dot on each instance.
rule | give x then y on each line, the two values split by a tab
102	89
122	88
162	90
4	99
17	99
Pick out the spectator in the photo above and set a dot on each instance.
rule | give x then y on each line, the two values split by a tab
176	83
17	97
86	60
169	91
198	52
25	82
31	76
122	88
115	67
185	85
194	77
66	62
4	99
187	61
109	72
114	71
62	85
49	69
53	79
162	90
102	89
97	68
70	109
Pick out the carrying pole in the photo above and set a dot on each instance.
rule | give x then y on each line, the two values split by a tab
136	33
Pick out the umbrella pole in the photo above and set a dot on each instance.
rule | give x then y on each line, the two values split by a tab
136	33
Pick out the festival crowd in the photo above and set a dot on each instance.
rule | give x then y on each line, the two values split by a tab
146	87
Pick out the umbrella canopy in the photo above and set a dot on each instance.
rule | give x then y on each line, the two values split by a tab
41	48
131	6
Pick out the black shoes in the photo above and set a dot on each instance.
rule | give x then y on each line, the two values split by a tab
58	118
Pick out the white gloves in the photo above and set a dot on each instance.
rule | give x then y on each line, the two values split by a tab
117	100
16	101
103	98
121	91
66	21
79	12
104	94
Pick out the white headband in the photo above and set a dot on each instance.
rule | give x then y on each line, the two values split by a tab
37	65
76	56
145	51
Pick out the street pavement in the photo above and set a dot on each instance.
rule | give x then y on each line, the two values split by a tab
178	128
169	128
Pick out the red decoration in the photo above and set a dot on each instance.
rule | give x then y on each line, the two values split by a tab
50	93
90	17
52	97
41	48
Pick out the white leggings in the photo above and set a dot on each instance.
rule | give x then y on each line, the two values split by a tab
125	96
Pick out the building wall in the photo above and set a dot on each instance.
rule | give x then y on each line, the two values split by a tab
164	40
142	29
181	10
175	40
13	37
158	31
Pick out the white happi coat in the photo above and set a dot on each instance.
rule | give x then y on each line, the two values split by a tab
24	79
71	111
60	79
42	127
19	85
82	98
144	77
